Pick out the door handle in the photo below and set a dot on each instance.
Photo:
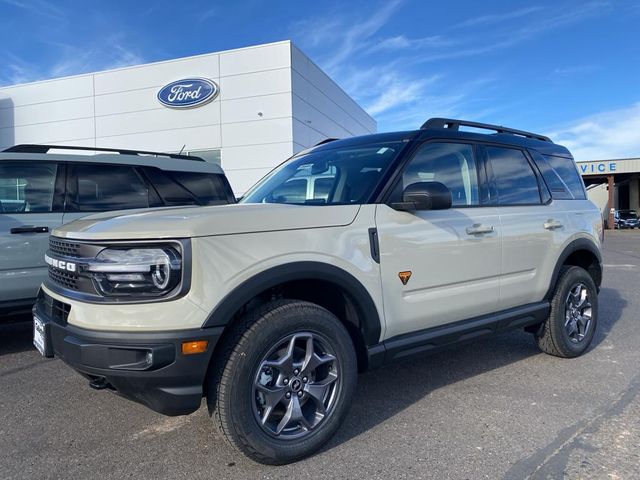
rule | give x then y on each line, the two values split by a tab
552	224
29	230
478	229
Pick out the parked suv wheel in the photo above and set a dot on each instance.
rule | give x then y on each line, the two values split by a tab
574	313
285	383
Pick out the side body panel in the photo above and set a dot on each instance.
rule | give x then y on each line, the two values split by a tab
531	252
22	267
454	274
223	263
24	236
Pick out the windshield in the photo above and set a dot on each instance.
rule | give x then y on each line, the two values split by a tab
336	176
628	215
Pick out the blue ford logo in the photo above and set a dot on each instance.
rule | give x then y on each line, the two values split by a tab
190	92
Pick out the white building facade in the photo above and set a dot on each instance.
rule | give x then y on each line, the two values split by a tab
268	102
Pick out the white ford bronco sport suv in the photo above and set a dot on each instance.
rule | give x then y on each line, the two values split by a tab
41	190
350	254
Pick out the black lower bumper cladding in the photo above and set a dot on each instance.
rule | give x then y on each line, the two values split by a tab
148	368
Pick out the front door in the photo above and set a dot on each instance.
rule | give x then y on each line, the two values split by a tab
439	266
30	208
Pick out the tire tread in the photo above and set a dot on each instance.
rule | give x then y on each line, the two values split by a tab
550	340
234	346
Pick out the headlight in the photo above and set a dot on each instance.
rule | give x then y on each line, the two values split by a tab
137	272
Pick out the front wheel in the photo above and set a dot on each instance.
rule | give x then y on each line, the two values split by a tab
286	383
573	317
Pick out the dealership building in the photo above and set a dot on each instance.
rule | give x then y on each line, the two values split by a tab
247	109
612	184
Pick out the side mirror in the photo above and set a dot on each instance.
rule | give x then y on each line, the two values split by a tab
424	196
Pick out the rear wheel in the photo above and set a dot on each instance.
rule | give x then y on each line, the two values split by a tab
573	317
286	383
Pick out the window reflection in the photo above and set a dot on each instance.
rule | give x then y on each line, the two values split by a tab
27	187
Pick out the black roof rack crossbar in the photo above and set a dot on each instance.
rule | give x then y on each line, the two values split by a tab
34	148
454	124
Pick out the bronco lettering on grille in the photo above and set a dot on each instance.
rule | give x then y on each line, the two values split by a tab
60	264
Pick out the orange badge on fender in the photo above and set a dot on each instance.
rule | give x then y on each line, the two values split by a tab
404	277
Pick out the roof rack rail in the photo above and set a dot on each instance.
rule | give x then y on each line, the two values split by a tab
454	124
326	140
35	148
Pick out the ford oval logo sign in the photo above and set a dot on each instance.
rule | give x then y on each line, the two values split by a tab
190	92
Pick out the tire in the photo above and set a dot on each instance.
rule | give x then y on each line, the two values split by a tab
573	318
249	383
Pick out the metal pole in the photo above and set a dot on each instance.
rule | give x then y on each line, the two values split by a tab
610	205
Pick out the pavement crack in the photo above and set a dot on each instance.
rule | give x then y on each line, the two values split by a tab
551	462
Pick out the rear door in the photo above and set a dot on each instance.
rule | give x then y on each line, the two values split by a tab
31	199
532	225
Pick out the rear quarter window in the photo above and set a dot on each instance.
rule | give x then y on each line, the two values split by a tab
566	169
189	188
561	176
207	187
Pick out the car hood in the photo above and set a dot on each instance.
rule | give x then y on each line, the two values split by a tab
184	222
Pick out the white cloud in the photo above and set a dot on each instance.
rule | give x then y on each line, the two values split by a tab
497	17
402	42
500	38
71	60
16	70
345	37
385	72
569	70
208	14
612	134
395	91
37	7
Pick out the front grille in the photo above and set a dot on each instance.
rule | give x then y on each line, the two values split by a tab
64	247
56	310
64	279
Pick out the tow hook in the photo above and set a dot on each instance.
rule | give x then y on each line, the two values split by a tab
98	383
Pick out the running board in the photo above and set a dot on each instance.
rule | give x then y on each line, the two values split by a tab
444	336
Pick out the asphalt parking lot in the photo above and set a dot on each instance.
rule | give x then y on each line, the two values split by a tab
494	409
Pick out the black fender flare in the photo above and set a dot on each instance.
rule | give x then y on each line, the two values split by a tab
573	246
367	312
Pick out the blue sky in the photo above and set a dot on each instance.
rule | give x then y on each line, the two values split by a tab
570	69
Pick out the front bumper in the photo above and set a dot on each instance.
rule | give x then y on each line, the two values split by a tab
146	367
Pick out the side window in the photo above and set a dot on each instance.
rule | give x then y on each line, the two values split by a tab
452	164
566	170
208	188
515	181
27	187
559	189
172	193
109	187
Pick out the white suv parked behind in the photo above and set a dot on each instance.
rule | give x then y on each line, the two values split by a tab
41	190
350	254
